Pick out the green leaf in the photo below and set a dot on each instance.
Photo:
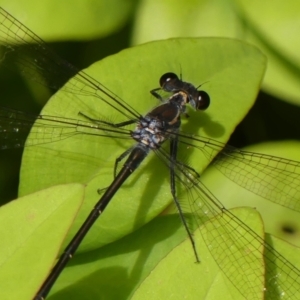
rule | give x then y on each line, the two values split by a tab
275	216
31	239
194	18
273	26
233	195
83	19
292	253
231	72
157	260
124	263
176	277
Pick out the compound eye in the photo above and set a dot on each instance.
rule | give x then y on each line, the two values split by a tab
203	100
167	77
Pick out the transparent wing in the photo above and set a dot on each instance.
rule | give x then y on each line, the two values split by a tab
249	262
252	265
15	126
274	178
38	62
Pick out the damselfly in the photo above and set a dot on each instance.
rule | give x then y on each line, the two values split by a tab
160	124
